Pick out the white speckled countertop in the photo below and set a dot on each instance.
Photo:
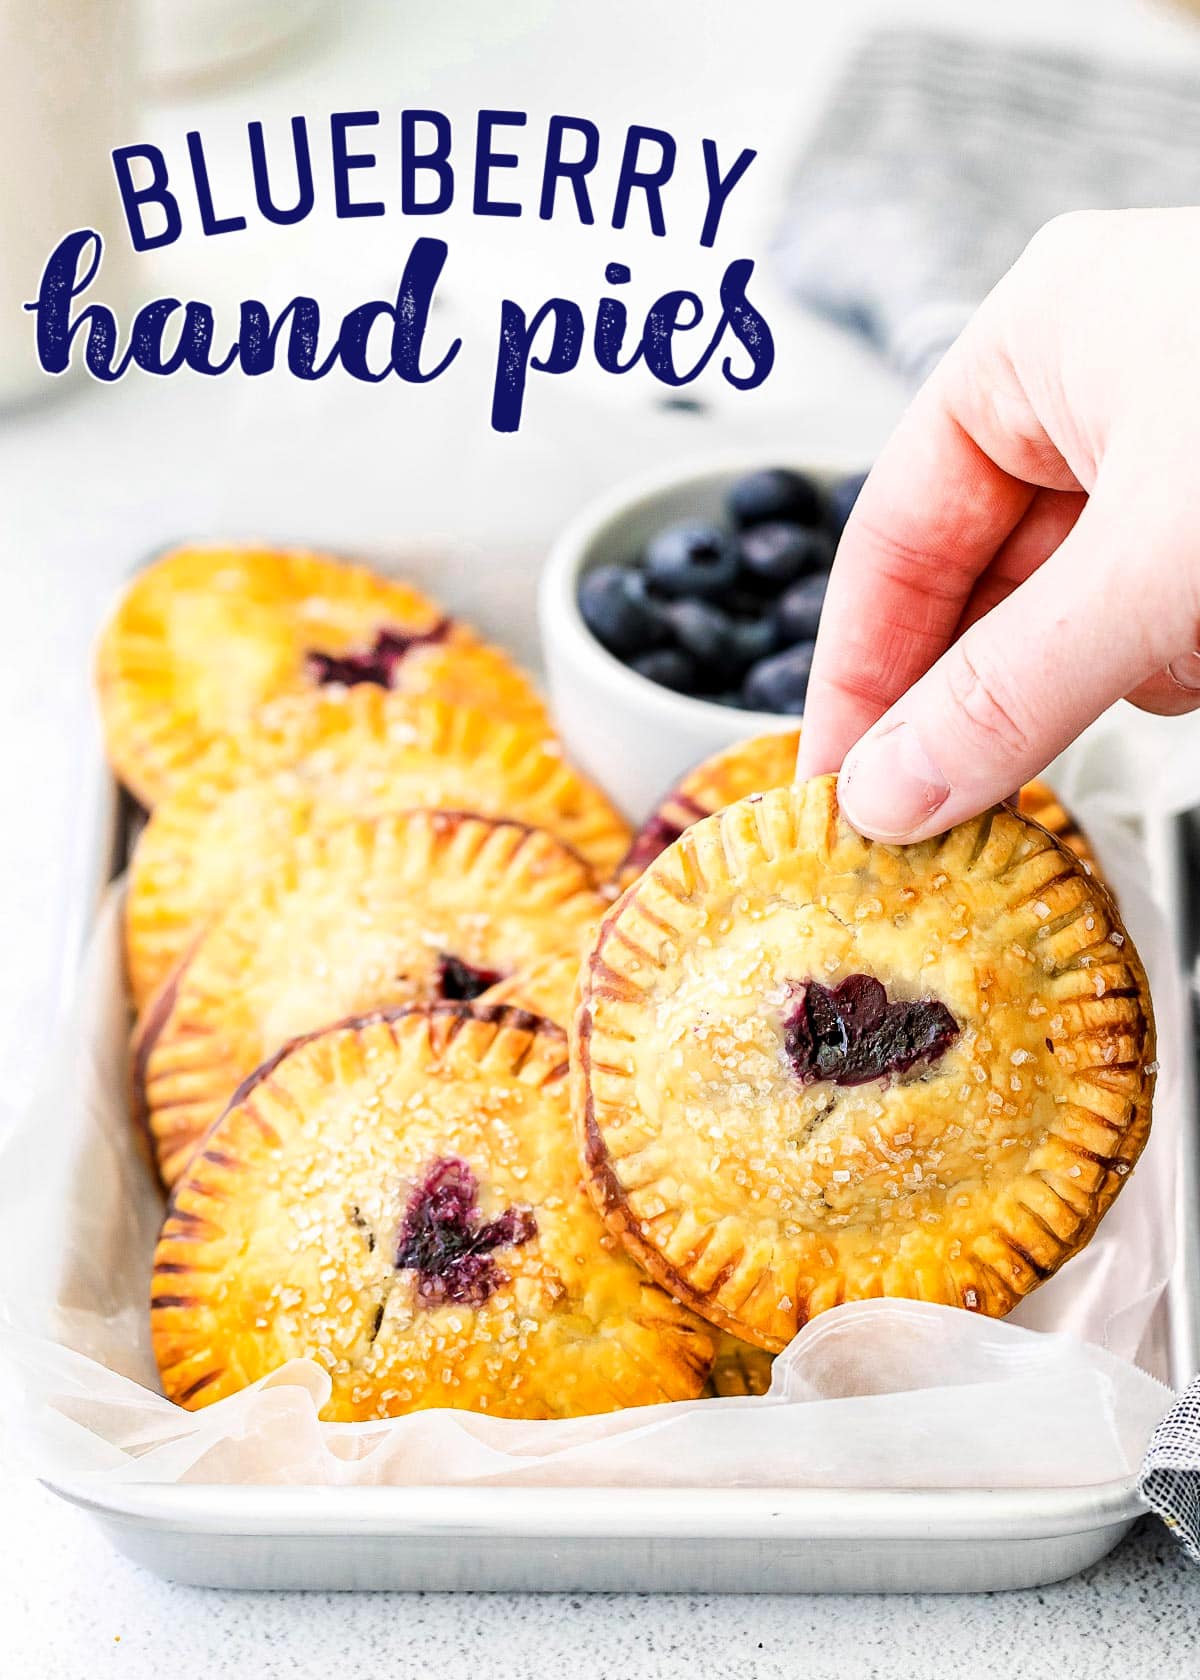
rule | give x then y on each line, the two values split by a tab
95	478
75	1610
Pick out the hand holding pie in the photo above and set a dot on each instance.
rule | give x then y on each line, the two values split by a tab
811	1068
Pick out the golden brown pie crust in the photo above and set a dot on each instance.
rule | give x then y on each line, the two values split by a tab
1042	805
752	766
769	761
761	1200
547	988
316	759
204	636
350	919
739	1368
285	1237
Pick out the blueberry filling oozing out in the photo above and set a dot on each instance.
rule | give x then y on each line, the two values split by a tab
461	982
445	1242
378	663
852	1034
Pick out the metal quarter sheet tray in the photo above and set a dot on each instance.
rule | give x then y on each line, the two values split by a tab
660	1539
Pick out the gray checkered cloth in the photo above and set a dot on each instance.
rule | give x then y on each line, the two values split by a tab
936	160
1170	1479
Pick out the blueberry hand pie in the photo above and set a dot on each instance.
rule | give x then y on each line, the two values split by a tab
317	759
419	905
204	636
399	1198
813	1068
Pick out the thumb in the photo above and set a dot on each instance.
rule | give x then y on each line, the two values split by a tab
1112	606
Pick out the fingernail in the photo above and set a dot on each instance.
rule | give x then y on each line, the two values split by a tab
889	785
1186	670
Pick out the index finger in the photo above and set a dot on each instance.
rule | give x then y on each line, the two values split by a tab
929	519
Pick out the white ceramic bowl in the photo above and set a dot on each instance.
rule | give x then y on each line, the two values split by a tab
631	735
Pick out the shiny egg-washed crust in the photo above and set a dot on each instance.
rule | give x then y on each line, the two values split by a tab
761	1200
548	988
349	919
316	759
752	766
281	1240
769	761
738	1368
1042	805
204	636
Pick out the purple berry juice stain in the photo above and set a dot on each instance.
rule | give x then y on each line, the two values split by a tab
851	1034
444	1241
462	982
378	664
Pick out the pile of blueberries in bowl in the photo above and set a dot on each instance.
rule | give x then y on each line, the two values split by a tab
728	611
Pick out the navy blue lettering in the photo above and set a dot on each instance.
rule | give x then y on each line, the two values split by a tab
209	220
719	187
612	318
516	355
667	317
344	160
413	303
156	192
649	181
486	160
305	195
748	326
64	278
558	168
259	336
412	162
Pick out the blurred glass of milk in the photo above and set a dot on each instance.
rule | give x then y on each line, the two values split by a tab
190	42
68	72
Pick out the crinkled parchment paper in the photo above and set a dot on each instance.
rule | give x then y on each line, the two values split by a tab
874	1394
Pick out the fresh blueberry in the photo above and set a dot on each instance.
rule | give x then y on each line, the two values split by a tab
775	493
752	639
779	684
703	631
799	610
775	555
842	498
692	559
618	611
748	603
669	667
723	647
